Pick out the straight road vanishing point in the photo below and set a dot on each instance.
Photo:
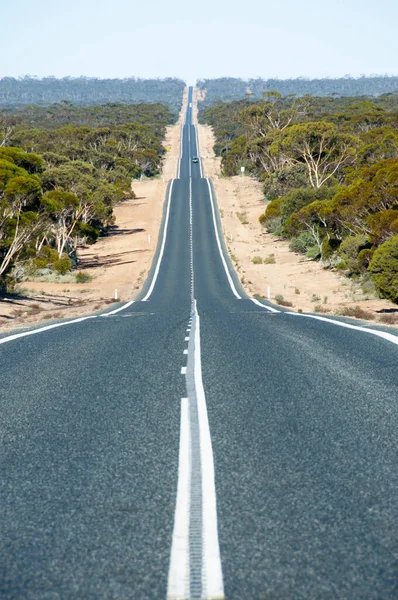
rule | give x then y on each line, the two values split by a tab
196	443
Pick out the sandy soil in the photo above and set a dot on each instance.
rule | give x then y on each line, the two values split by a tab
299	281
119	261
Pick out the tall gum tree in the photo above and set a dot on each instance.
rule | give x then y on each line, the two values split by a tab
319	146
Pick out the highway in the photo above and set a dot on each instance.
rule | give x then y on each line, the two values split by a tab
196	443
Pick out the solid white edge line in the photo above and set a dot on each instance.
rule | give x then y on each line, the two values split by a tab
231	283
212	579
264	306
113	312
155	275
383	334
180	157
178	587
15	336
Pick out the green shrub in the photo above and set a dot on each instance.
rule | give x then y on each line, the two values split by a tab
313	253
301	243
350	249
296	199
314	298
257	260
384	269
62	265
48	259
270	259
367	284
273	209
274	225
340	265
82	277
45	258
364	257
280	182
329	248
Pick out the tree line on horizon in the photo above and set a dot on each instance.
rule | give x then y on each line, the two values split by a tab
329	168
62	171
17	91
226	89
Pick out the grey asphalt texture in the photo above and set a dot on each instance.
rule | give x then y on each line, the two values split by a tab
303	422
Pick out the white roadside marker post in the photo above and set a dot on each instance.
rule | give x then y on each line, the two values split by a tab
269	292
242	170
116	296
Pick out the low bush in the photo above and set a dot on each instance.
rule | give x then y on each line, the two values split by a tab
262	218
301	243
279	299
242	216
82	277
321	309
270	259
329	251
389	318
313	253
357	312
257	260
349	251
384	269
273	225
273	209
48	259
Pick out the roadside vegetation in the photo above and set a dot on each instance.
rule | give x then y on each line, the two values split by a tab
85	91
62	171
329	167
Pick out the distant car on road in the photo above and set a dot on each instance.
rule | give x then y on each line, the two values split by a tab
195	159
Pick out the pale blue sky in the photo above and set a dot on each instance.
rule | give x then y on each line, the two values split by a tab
209	38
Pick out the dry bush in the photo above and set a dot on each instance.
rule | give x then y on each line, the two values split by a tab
270	259
389	318
242	216
35	309
357	312
257	260
282	302
321	309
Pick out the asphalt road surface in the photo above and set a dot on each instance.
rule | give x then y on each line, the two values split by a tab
196	443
